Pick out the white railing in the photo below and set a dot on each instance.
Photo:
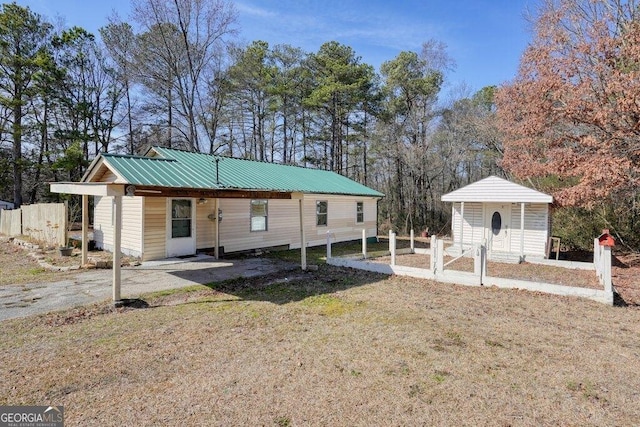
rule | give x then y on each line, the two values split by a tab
479	277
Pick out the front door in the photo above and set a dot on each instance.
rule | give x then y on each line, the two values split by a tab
498	221
181	223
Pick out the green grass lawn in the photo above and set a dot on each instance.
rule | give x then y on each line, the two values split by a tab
335	347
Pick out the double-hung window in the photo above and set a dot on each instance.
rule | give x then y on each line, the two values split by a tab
359	212
259	214
322	209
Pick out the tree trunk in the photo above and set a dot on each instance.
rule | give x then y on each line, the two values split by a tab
17	152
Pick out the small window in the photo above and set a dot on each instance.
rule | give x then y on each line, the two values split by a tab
259	215
359	212
180	218
496	223
321	213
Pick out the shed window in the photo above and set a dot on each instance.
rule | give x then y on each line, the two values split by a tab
496	223
322	208
359	212
259	215
180	218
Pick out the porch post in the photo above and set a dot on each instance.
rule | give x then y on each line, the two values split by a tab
216	236
117	232
461	226
303	242
85	229
522	231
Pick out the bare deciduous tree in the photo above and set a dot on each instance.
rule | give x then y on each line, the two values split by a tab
187	34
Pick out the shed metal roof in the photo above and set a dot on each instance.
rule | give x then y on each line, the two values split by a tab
183	169
494	189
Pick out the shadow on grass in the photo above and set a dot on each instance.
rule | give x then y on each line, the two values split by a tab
295	285
282	288
132	303
275	276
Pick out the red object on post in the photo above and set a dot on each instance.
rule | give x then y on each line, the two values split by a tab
606	239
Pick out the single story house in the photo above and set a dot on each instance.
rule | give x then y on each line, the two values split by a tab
176	203
6	205
513	220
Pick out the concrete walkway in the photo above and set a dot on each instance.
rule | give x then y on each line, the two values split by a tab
95	285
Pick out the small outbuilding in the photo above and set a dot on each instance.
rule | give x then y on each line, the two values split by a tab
512	219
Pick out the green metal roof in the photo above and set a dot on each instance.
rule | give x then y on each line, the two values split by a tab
183	169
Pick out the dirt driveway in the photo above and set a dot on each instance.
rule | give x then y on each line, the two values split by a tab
96	285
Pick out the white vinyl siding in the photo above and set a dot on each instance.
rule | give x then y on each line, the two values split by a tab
535	227
132	208
472	226
284	228
155	223
536	220
235	235
205	226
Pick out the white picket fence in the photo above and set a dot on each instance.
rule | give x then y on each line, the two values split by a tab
44	222
438	272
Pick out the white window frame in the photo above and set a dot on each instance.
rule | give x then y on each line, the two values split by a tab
180	218
360	212
256	202
325	214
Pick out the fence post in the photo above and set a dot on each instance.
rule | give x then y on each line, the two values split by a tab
328	245
434	252
477	263
596	255
413	245
483	252
364	243
440	259
606	268
390	233
392	243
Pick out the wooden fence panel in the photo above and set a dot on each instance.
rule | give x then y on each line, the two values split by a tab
11	222
46	222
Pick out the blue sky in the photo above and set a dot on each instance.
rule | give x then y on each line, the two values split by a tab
484	37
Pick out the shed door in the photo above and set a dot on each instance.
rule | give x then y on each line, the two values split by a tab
181	227
498	222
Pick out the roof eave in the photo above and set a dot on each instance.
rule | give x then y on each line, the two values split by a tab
454	199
